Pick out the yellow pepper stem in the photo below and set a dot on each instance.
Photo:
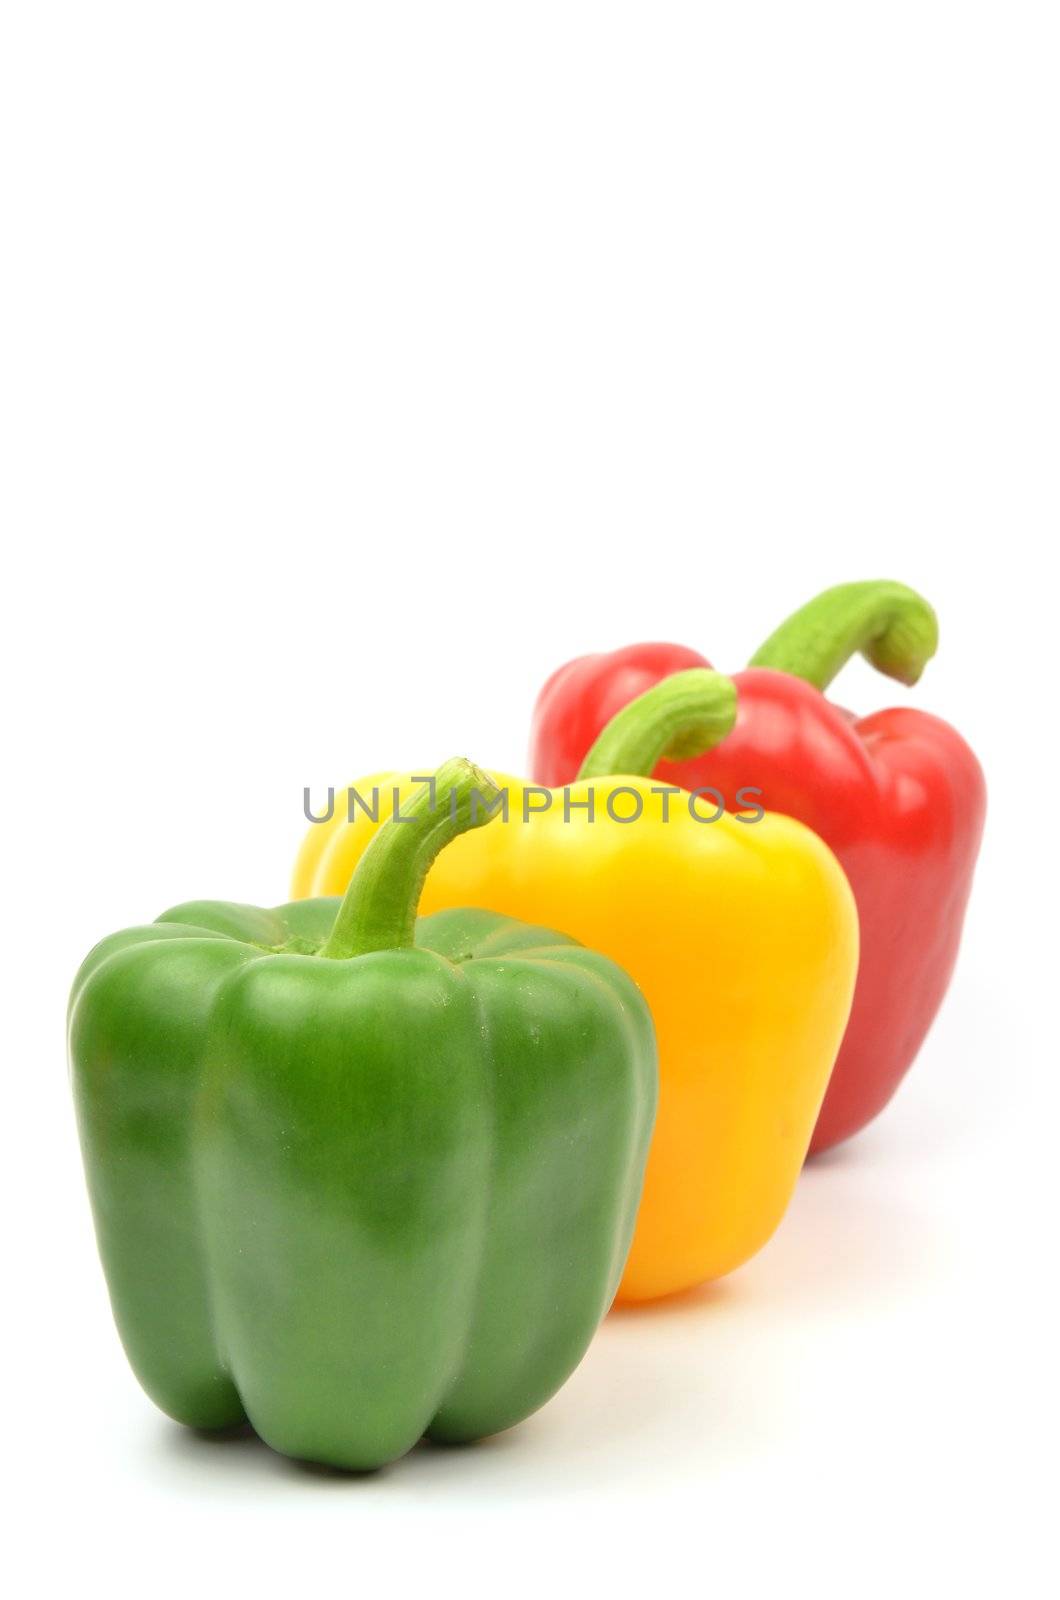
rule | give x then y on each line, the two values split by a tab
679	717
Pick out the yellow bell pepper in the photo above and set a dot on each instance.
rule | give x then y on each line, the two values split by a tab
742	935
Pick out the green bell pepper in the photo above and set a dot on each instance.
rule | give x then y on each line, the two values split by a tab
353	1188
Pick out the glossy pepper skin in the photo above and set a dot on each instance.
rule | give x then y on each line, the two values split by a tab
354	1190
898	796
742	937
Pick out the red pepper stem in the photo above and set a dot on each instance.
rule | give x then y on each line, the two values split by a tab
378	911
893	627
679	717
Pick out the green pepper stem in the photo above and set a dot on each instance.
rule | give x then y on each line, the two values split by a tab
680	716
893	627
378	911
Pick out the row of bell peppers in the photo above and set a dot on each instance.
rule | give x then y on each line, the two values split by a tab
360	1178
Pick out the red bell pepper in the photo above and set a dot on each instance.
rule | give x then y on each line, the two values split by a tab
898	796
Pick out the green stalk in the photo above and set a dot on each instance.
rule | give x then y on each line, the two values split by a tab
681	716
378	911
893	627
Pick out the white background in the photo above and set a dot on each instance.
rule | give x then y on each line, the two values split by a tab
362	363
